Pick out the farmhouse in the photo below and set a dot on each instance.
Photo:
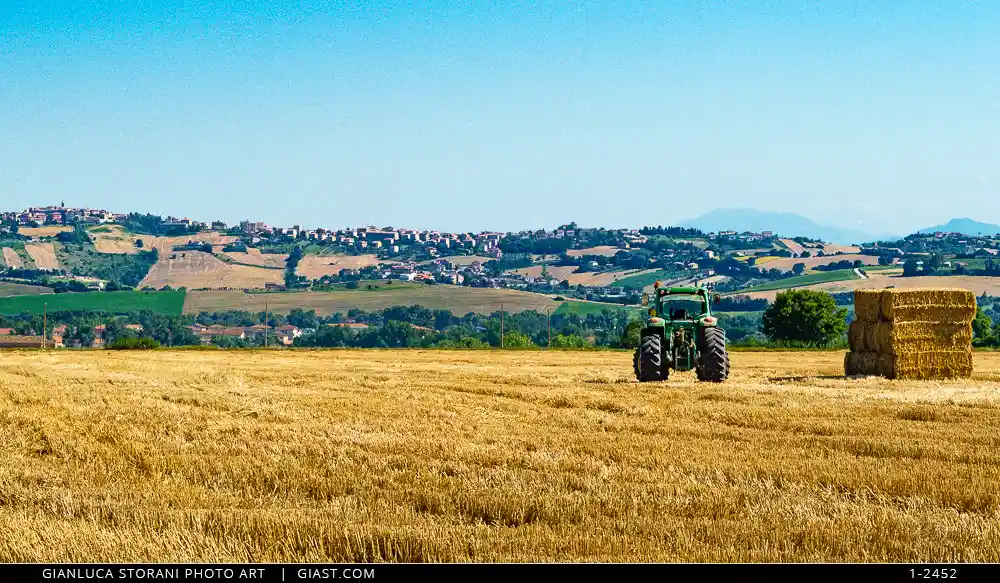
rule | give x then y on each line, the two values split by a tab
287	334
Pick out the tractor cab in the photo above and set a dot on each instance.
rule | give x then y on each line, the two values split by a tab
680	304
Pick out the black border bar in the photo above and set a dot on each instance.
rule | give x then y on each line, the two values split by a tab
488	572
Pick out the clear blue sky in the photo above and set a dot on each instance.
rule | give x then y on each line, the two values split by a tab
503	115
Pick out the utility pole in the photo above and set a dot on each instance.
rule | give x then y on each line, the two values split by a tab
45	322
265	323
501	325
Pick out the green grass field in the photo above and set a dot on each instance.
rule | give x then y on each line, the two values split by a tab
584	308
803	280
169	303
641	281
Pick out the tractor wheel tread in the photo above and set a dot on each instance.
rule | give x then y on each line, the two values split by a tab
648	359
714	359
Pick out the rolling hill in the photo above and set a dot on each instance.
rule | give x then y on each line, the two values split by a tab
964	226
783	224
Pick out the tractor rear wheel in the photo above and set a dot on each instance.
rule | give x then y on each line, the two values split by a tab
713	363
648	360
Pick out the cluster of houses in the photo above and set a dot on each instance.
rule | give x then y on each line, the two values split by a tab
279	335
981	246
747	236
60	215
438	270
371	238
8	338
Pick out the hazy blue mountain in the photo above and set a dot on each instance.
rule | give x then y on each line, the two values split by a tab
964	226
783	224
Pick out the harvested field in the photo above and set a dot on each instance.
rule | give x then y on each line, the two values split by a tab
603	250
712	279
587	278
792	246
253	256
113	239
199	270
167	244
976	284
437	456
554	271
11	258
316	266
787	263
43	254
830	248
50	231
20	289
458	299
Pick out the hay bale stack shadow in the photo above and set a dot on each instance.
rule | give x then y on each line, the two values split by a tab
917	334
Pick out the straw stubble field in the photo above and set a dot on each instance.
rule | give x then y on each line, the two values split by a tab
355	456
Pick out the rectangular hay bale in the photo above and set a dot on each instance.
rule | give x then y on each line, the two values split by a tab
860	363
856	336
897	337
868	305
928	305
926	365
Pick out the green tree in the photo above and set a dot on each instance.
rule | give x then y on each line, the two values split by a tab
982	329
517	340
569	341
631	333
933	263
884	260
461	342
804	316
910	268
798	268
303	319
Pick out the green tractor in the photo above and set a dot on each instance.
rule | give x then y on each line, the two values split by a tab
681	334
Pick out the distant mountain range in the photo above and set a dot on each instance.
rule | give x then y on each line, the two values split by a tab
965	227
783	224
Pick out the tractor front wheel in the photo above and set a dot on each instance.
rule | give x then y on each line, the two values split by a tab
714	360
648	360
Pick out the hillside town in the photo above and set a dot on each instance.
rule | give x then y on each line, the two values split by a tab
596	264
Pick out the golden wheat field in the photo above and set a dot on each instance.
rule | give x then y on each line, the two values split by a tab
368	456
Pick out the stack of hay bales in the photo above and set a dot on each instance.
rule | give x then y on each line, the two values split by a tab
911	334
